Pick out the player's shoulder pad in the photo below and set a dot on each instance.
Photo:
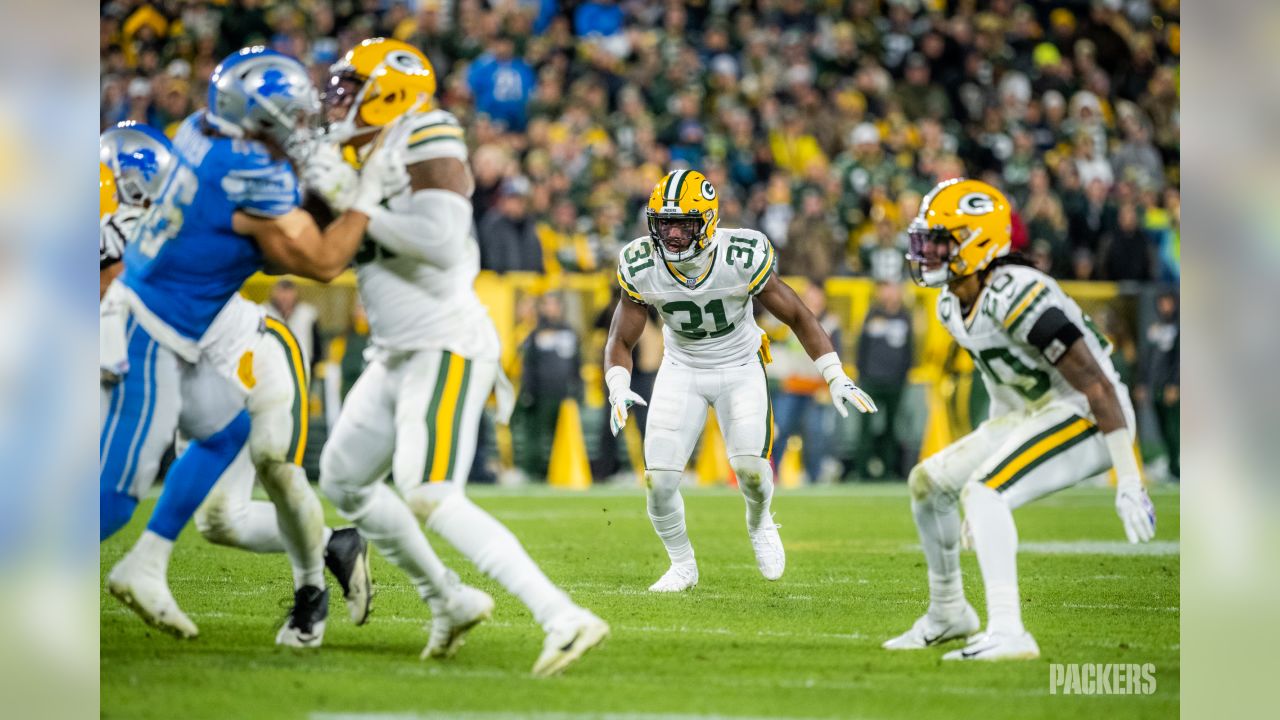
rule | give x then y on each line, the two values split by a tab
432	135
635	261
1017	293
749	254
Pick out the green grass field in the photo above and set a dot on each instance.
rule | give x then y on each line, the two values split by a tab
736	646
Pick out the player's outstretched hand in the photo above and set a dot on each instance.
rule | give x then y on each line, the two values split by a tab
620	402
844	392
1136	512
382	176
331	177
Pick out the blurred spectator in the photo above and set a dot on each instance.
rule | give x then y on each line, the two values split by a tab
502	84
301	318
811	240
884	355
1161	374
801	406
551	373
1092	218
507	235
884	253
1126	252
565	247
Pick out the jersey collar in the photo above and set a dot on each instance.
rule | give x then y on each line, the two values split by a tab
690	282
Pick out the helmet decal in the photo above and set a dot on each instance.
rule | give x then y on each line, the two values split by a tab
708	190
404	61
976	203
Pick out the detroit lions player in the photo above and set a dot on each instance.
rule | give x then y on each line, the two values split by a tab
702	278
138	157
229	208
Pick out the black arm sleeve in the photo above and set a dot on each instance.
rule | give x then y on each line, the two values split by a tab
318	209
1053	333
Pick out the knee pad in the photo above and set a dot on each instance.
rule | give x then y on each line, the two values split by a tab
216	519
661	482
976	490
752	472
336	483
432	499
920	483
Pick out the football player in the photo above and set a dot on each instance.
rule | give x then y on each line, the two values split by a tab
702	279
1059	414
433	358
228	206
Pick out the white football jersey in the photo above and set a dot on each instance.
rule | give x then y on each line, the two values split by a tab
412	304
1018	376
707	320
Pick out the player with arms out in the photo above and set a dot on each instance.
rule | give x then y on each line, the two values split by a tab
1059	414
433	358
702	279
228	208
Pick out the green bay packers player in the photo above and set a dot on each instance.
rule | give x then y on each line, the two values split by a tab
433	358
702	279
1059	414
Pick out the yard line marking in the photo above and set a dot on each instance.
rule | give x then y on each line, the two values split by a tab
538	716
1159	548
1114	606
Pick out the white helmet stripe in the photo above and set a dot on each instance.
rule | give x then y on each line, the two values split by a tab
673	186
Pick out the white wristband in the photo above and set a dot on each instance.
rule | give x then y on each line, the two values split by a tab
830	367
617	378
1123	460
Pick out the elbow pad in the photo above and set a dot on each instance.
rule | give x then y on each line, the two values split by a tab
1053	334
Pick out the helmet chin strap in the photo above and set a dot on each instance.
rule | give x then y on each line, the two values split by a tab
694	265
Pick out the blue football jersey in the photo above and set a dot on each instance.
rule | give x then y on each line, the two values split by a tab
184	261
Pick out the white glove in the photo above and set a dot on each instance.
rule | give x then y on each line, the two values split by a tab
1136	512
843	391
382	176
1132	503
330	176
621	397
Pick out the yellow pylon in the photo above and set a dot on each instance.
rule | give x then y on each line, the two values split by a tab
569	467
791	465
712	465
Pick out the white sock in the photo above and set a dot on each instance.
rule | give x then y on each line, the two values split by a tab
755	480
938	523
666	512
498	554
153	551
995	539
386	521
300	519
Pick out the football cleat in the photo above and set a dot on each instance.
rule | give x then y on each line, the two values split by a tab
347	557
767	544
928	631
993	646
305	626
144	590
453	617
569	637
677	578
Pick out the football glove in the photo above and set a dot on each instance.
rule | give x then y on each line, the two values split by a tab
330	176
382	176
621	398
1136	512
843	392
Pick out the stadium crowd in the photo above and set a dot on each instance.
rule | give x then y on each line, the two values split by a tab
821	122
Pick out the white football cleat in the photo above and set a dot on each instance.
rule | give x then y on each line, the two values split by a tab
677	578
927	631
992	646
453	617
767	544
144	590
569	637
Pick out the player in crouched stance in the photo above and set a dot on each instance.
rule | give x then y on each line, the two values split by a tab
1059	414
702	279
433	358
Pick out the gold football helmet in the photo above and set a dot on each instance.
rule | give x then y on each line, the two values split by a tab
963	225
377	81
683	214
107	199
